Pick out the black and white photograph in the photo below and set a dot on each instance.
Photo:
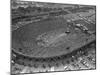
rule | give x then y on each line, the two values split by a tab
52	37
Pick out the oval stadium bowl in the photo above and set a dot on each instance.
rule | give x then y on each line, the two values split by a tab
48	38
